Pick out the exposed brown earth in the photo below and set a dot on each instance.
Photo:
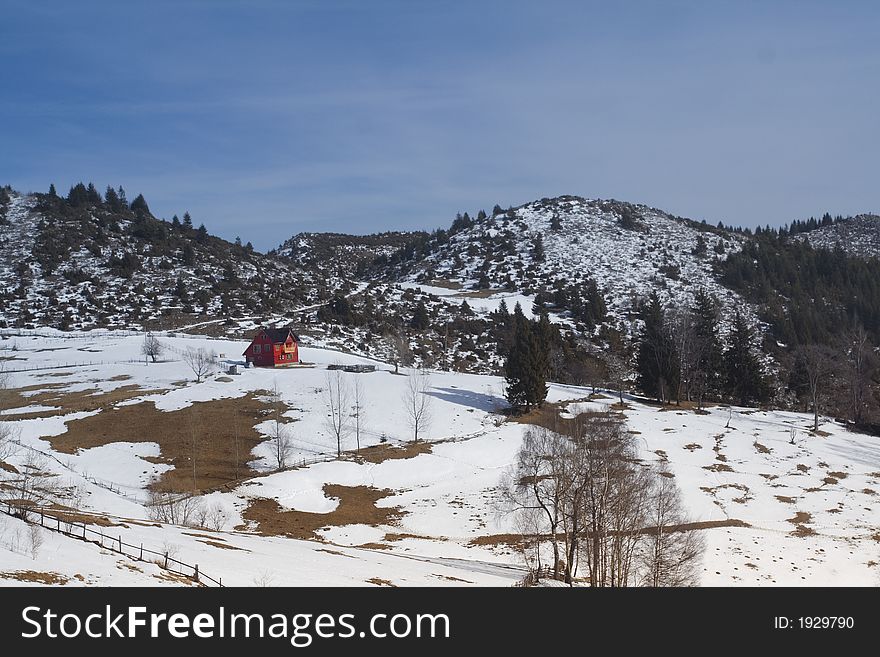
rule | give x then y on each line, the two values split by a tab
53	394
388	452
36	576
357	505
219	433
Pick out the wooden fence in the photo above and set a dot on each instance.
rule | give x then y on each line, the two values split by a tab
52	521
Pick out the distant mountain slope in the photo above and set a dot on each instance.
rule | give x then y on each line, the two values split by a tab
566	242
858	236
88	264
343	254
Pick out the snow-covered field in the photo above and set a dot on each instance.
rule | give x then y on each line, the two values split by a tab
810	506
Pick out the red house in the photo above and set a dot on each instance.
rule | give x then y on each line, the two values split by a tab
273	347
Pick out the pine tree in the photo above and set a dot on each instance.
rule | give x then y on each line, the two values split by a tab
52	191
526	368
122	198
420	320
745	381
139	205
538	248
709	365
111	198
657	361
555	223
202	234
92	194
187	221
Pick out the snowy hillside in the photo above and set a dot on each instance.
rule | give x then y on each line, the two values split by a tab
85	267
858	236
776	503
627	250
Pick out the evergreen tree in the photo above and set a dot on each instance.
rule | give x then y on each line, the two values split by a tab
187	221
538	248
189	254
77	196
175	222
122	198
555	223
202	234
420	319
745	380
657	361
526	368
139	205
709	365
92	194
111	198
52	191
502	311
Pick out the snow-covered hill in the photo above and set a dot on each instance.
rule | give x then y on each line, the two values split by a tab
627	250
85	267
858	236
777	504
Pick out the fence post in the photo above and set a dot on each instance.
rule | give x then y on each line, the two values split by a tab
120	544
141	558
84	531
166	560
41	518
197	573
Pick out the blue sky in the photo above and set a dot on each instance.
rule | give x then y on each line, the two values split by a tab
264	119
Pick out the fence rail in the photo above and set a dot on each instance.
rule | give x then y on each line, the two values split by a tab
52	520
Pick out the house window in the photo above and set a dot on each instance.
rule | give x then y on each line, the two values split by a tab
277	347
257	349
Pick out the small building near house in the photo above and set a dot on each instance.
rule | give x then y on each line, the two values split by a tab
273	347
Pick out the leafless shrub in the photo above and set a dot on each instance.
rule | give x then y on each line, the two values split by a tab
417	402
152	348
35	540
337	400
202	362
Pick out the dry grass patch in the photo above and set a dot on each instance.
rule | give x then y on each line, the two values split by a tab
389	452
357	505
509	540
762	449
378	581
212	426
53	394
36	577
785	499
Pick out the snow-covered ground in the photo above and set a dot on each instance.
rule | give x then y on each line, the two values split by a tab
444	497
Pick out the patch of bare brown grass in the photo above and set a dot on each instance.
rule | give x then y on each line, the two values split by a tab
36	576
389	452
357	505
212	424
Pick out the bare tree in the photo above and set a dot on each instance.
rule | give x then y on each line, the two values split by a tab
535	489
282	443
151	347
401	350
35	536
673	553
358	407
818	366
859	366
417	402
583	485
337	400
202	362
33	485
